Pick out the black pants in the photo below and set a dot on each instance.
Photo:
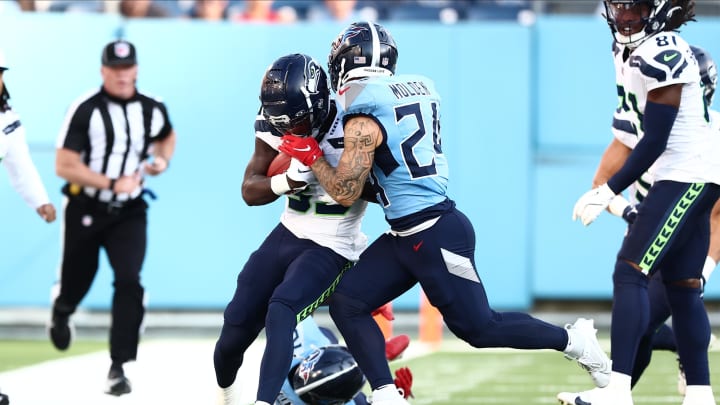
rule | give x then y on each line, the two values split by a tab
122	232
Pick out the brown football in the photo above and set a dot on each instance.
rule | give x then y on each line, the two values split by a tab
279	165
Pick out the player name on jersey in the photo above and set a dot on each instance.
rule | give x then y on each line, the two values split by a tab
408	89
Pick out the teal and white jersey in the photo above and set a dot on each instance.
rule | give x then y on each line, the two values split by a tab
639	189
15	156
662	60
410	172
311	213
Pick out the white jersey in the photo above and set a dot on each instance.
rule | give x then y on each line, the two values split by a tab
639	189
662	60
15	156
311	213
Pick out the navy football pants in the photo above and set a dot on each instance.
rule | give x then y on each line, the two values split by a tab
281	284
670	236
441	258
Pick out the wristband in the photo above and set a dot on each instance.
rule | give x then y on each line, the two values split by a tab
279	184
617	205
708	268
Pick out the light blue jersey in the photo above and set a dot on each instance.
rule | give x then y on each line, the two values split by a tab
410	172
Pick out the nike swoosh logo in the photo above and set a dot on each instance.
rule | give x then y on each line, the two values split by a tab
579	401
305	149
342	91
668	58
305	171
417	247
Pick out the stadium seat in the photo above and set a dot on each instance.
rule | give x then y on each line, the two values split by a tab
447	14
492	10
77	6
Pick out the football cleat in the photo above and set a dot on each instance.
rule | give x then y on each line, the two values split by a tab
117	383
395	346
575	398
4	399
387	395
595	396
587	352
61	331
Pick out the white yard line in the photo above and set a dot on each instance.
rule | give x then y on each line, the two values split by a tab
167	372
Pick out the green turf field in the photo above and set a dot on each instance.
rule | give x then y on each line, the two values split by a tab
19	353
454	375
527	377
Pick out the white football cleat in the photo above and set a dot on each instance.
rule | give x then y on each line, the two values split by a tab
576	398
387	395
596	396
585	349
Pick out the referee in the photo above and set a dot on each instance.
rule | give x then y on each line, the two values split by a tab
110	139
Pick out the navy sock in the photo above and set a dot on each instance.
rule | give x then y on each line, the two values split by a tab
279	326
363	337
630	315
692	332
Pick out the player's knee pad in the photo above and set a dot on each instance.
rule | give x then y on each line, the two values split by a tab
625	273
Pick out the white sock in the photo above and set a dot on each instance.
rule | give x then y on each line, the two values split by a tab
385	393
620	381
261	403
575	345
699	394
228	396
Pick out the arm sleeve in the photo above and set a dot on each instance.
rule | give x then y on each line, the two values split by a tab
24	176
658	121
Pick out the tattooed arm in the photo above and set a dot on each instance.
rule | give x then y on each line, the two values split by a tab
345	182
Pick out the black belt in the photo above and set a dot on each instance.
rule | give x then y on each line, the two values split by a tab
112	207
109	207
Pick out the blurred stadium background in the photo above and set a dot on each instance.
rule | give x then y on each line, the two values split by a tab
528	95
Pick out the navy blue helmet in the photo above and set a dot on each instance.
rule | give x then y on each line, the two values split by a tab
294	95
708	73
626	16
363	49
327	376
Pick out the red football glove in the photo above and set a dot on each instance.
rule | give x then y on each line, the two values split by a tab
305	149
403	381
395	346
386	312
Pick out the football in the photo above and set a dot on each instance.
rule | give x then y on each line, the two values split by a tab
279	165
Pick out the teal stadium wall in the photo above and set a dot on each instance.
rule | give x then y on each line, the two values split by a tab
526	115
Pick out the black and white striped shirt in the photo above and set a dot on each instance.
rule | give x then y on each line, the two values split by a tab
113	136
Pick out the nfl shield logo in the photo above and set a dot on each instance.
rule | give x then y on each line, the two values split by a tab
122	49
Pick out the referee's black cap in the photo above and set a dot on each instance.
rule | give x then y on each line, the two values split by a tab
118	53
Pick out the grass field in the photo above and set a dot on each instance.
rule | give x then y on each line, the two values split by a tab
456	374
18	353
525	377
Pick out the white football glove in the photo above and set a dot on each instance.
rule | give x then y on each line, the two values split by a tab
591	204
299	172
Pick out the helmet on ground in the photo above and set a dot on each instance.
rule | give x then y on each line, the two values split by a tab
294	95
633	21
327	376
363	49
708	73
